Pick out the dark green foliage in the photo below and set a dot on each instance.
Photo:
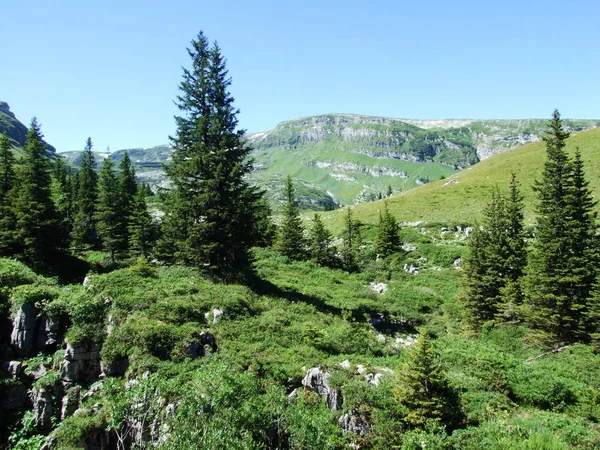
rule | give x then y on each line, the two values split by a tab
352	236
423	392
109	214
387	241
141	231
37	230
389	191
265	230
320	244
7	168
290	237
127	191
495	262
8	180
211	210
62	193
563	265
84	226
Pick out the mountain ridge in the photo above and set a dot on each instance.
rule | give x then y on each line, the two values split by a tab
342	159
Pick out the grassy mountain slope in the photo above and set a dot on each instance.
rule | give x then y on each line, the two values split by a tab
461	197
242	388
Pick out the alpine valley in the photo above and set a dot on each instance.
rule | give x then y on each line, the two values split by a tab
341	159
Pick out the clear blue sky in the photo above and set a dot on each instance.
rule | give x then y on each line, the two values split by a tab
110	69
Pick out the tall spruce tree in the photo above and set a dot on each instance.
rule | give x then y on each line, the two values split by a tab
37	230
8	181
290	238
7	167
423	391
141	231
211	210
495	261
320	244
62	193
109	215
387	241
84	223
352	242
513	248
563	265
127	191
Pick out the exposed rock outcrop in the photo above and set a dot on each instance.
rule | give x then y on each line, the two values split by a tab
70	401
24	326
42	407
33	333
81	363
354	422
318	381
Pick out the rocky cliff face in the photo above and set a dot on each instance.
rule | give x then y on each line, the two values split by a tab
17	132
495	136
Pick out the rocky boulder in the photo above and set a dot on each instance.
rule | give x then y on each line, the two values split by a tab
23	333
318	381
32	333
353	422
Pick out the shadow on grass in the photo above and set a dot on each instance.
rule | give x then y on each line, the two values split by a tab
380	319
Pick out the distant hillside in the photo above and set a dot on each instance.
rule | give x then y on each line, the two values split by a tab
17	132
344	159
462	197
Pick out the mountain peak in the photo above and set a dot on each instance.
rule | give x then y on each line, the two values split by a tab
6	109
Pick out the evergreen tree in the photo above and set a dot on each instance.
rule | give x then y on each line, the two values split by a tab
320	244
423	392
389	191
8	181
563	265
290	238
7	168
495	261
127	184
350	253
211	209
141	230
108	216
84	224
37	230
513	249
265	229
62	193
127	192
387	241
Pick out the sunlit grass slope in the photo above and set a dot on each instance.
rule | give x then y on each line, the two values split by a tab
462	196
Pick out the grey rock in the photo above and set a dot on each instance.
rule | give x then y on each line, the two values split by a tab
24	325
457	264
293	396
70	402
380	288
93	390
14	368
81	363
353	422
318	381
42	407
